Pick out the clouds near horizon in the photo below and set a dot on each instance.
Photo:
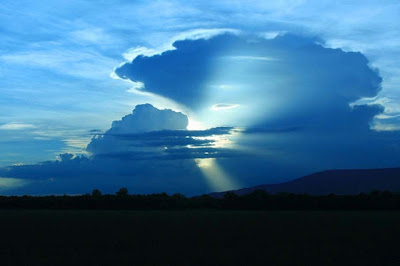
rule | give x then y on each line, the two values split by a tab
274	109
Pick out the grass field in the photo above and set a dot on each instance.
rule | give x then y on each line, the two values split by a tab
199	238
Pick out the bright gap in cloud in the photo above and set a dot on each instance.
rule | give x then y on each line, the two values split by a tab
195	125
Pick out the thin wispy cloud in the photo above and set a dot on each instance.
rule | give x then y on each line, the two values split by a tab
224	106
16	126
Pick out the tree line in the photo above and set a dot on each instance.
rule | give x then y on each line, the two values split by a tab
257	200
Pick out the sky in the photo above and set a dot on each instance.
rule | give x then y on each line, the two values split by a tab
194	96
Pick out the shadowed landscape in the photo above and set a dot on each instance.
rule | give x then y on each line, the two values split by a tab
199	238
160	229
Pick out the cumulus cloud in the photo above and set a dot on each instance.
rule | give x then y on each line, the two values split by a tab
149	150
150	133
297	98
146	118
284	78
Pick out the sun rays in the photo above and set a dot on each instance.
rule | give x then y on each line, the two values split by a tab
215	175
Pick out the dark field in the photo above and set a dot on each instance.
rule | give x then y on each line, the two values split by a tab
203	237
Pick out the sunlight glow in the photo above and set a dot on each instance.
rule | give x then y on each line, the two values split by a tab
9	183
218	141
195	125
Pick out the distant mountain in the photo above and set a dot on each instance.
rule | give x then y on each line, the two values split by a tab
345	182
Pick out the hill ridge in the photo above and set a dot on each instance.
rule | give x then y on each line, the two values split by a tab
336	181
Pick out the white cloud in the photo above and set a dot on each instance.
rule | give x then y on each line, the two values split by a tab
136	85
90	35
249	57
196	34
271	34
385	127
86	64
16	126
204	34
132	53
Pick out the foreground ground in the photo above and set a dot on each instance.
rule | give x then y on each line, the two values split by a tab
199	238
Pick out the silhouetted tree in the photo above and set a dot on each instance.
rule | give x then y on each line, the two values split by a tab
386	194
230	196
178	196
122	192
257	200
96	193
258	194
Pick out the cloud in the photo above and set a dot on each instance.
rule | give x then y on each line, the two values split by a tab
108	173
150	133
69	87
299	113
149	149
16	126
196	34
224	106
298	100
83	63
285	78
192	68
95	36
144	118
250	57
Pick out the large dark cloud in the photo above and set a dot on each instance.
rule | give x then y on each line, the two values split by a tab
289	79
179	74
294	96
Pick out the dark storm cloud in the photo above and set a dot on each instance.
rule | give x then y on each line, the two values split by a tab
294	71
179	74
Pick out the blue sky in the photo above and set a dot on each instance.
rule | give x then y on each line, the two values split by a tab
67	69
